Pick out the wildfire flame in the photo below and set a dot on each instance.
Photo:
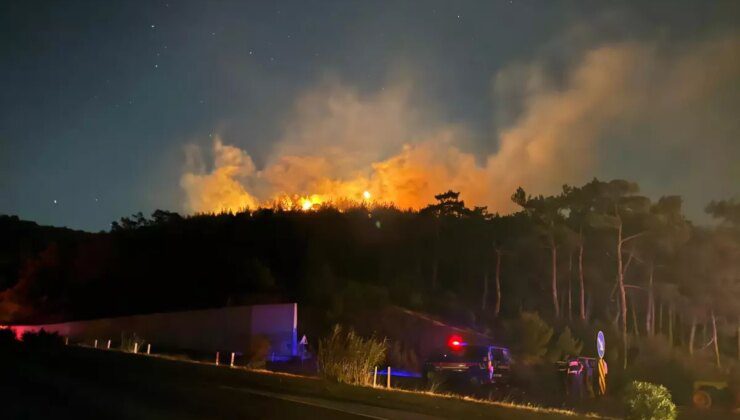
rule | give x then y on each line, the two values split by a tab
316	201
342	146
311	202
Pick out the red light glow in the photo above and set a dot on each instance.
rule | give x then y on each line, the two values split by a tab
455	342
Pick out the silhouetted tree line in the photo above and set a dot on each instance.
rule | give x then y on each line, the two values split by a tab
599	254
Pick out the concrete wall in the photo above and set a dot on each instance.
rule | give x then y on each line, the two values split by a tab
210	330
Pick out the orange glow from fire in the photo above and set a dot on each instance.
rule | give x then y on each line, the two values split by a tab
297	202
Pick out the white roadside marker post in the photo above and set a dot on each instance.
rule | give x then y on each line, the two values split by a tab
232	359
148	348
66	341
108	347
217	354
389	377
96	343
375	377
136	347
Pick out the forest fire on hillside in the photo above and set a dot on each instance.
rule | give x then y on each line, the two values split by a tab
315	202
338	142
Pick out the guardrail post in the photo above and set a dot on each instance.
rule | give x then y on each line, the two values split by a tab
136	347
217	354
108	347
148	348
96	343
232	359
389	377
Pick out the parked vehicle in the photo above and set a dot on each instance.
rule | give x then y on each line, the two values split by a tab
472	364
579	376
714	394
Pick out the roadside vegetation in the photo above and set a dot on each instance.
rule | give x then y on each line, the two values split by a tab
132	342
126	372
542	280
348	358
641	400
42	339
646	401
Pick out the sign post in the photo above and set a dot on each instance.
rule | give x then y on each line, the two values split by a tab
602	368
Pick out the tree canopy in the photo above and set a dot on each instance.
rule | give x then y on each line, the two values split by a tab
596	254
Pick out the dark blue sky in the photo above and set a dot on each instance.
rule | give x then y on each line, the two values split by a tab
99	98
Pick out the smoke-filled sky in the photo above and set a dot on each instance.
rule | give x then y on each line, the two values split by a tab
110	108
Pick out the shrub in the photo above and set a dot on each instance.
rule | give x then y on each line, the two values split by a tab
531	334
7	338
348	358
403	357
42	339
566	344
670	367
647	401
129	342
259	348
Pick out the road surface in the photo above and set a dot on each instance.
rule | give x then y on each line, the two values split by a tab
83	383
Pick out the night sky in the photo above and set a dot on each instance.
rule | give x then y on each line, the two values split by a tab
103	102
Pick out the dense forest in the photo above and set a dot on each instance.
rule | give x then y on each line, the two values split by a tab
598	255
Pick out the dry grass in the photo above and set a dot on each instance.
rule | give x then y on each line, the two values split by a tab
348	358
446	405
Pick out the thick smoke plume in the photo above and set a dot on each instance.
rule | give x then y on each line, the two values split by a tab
637	106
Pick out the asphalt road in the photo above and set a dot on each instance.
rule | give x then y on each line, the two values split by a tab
50	386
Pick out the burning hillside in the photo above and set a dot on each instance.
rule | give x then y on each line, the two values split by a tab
342	145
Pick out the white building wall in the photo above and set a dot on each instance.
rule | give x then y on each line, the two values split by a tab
210	330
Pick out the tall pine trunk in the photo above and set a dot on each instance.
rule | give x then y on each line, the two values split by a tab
635	326
484	298
570	283
580	279
692	335
652	317
715	339
650	312
738	338
670	324
554	268
622	294
497	308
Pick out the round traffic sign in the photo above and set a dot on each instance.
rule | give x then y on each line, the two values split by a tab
600	344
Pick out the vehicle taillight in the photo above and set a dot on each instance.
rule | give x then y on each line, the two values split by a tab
455	342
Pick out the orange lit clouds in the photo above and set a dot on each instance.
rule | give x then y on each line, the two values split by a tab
339	144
